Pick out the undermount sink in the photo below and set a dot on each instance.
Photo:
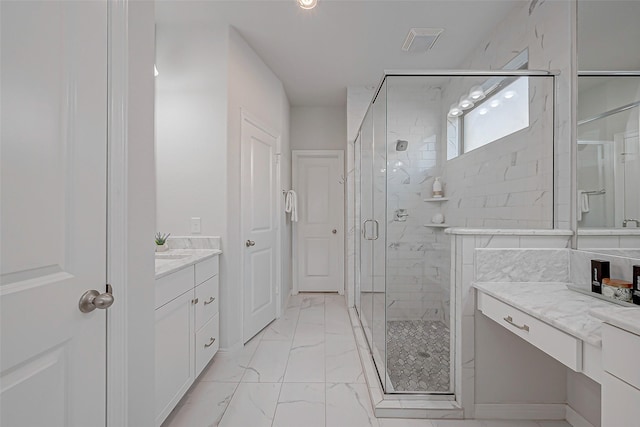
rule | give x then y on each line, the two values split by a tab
171	256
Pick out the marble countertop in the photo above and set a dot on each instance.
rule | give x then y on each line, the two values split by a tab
555	304
630	231
176	259
627	318
509	231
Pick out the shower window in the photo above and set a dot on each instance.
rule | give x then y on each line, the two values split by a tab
500	115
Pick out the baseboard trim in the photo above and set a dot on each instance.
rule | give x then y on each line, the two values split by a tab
575	419
549	411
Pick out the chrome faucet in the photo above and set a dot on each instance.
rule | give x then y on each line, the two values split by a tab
627	221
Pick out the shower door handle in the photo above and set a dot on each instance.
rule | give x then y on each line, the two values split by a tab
364	229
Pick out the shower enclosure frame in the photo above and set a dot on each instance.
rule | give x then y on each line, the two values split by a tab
360	226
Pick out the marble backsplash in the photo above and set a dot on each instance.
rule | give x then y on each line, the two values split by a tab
194	242
580	266
522	265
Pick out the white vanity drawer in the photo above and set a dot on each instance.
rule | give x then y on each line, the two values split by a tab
207	343
559	345
207	296
173	285
620	350
206	269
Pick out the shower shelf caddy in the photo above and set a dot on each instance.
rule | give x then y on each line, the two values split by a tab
437	225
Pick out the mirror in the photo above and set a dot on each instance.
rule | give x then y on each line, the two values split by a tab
608	118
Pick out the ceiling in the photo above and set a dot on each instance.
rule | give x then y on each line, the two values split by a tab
319	53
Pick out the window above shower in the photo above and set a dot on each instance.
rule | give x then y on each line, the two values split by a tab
499	115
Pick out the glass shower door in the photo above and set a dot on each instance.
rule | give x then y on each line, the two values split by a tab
379	210
372	189
366	227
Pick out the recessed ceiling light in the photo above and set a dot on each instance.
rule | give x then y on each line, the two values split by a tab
476	93
509	94
495	103
483	111
421	39
307	4
454	110
465	103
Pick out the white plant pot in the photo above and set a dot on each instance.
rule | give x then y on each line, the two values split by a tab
162	248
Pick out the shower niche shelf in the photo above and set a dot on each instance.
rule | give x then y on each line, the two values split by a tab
437	199
437	225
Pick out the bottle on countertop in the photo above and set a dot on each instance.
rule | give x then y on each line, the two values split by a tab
636	284
599	270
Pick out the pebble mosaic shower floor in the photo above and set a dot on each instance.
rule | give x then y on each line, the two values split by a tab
418	355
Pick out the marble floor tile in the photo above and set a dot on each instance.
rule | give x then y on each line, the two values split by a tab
306	364
337	319
225	368
349	405
342	361
313	315
311	300
308	334
402	422
204	406
268	363
284	328
300	404
253	404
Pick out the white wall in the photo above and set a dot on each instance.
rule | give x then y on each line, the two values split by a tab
319	128
254	88
207	76
140	216
191	138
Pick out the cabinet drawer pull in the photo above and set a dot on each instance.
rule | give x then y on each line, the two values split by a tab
211	341
211	299
194	301
509	320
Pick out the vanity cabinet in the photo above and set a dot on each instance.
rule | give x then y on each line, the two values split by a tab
621	382
187	330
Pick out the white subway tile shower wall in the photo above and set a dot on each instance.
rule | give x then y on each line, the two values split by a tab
507	183
545	29
418	271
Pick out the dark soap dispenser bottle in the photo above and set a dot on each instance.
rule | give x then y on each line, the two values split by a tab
636	284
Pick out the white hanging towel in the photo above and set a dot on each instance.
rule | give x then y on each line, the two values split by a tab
291	205
583	203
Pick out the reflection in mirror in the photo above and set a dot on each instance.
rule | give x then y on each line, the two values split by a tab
608	168
608	162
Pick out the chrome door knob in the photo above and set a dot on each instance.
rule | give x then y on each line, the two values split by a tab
93	299
250	243
334	231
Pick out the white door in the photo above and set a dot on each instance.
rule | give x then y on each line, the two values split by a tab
319	184
259	227
53	212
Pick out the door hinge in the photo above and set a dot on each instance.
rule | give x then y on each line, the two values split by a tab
109	289
277	290
277	157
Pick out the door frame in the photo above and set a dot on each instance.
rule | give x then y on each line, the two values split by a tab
117	406
296	155
248	117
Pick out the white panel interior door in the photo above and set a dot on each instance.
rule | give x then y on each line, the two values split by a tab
320	228
53	212
259	227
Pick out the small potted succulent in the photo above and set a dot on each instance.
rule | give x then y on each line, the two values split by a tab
161	242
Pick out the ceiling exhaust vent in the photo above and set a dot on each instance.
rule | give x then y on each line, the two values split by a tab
421	39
